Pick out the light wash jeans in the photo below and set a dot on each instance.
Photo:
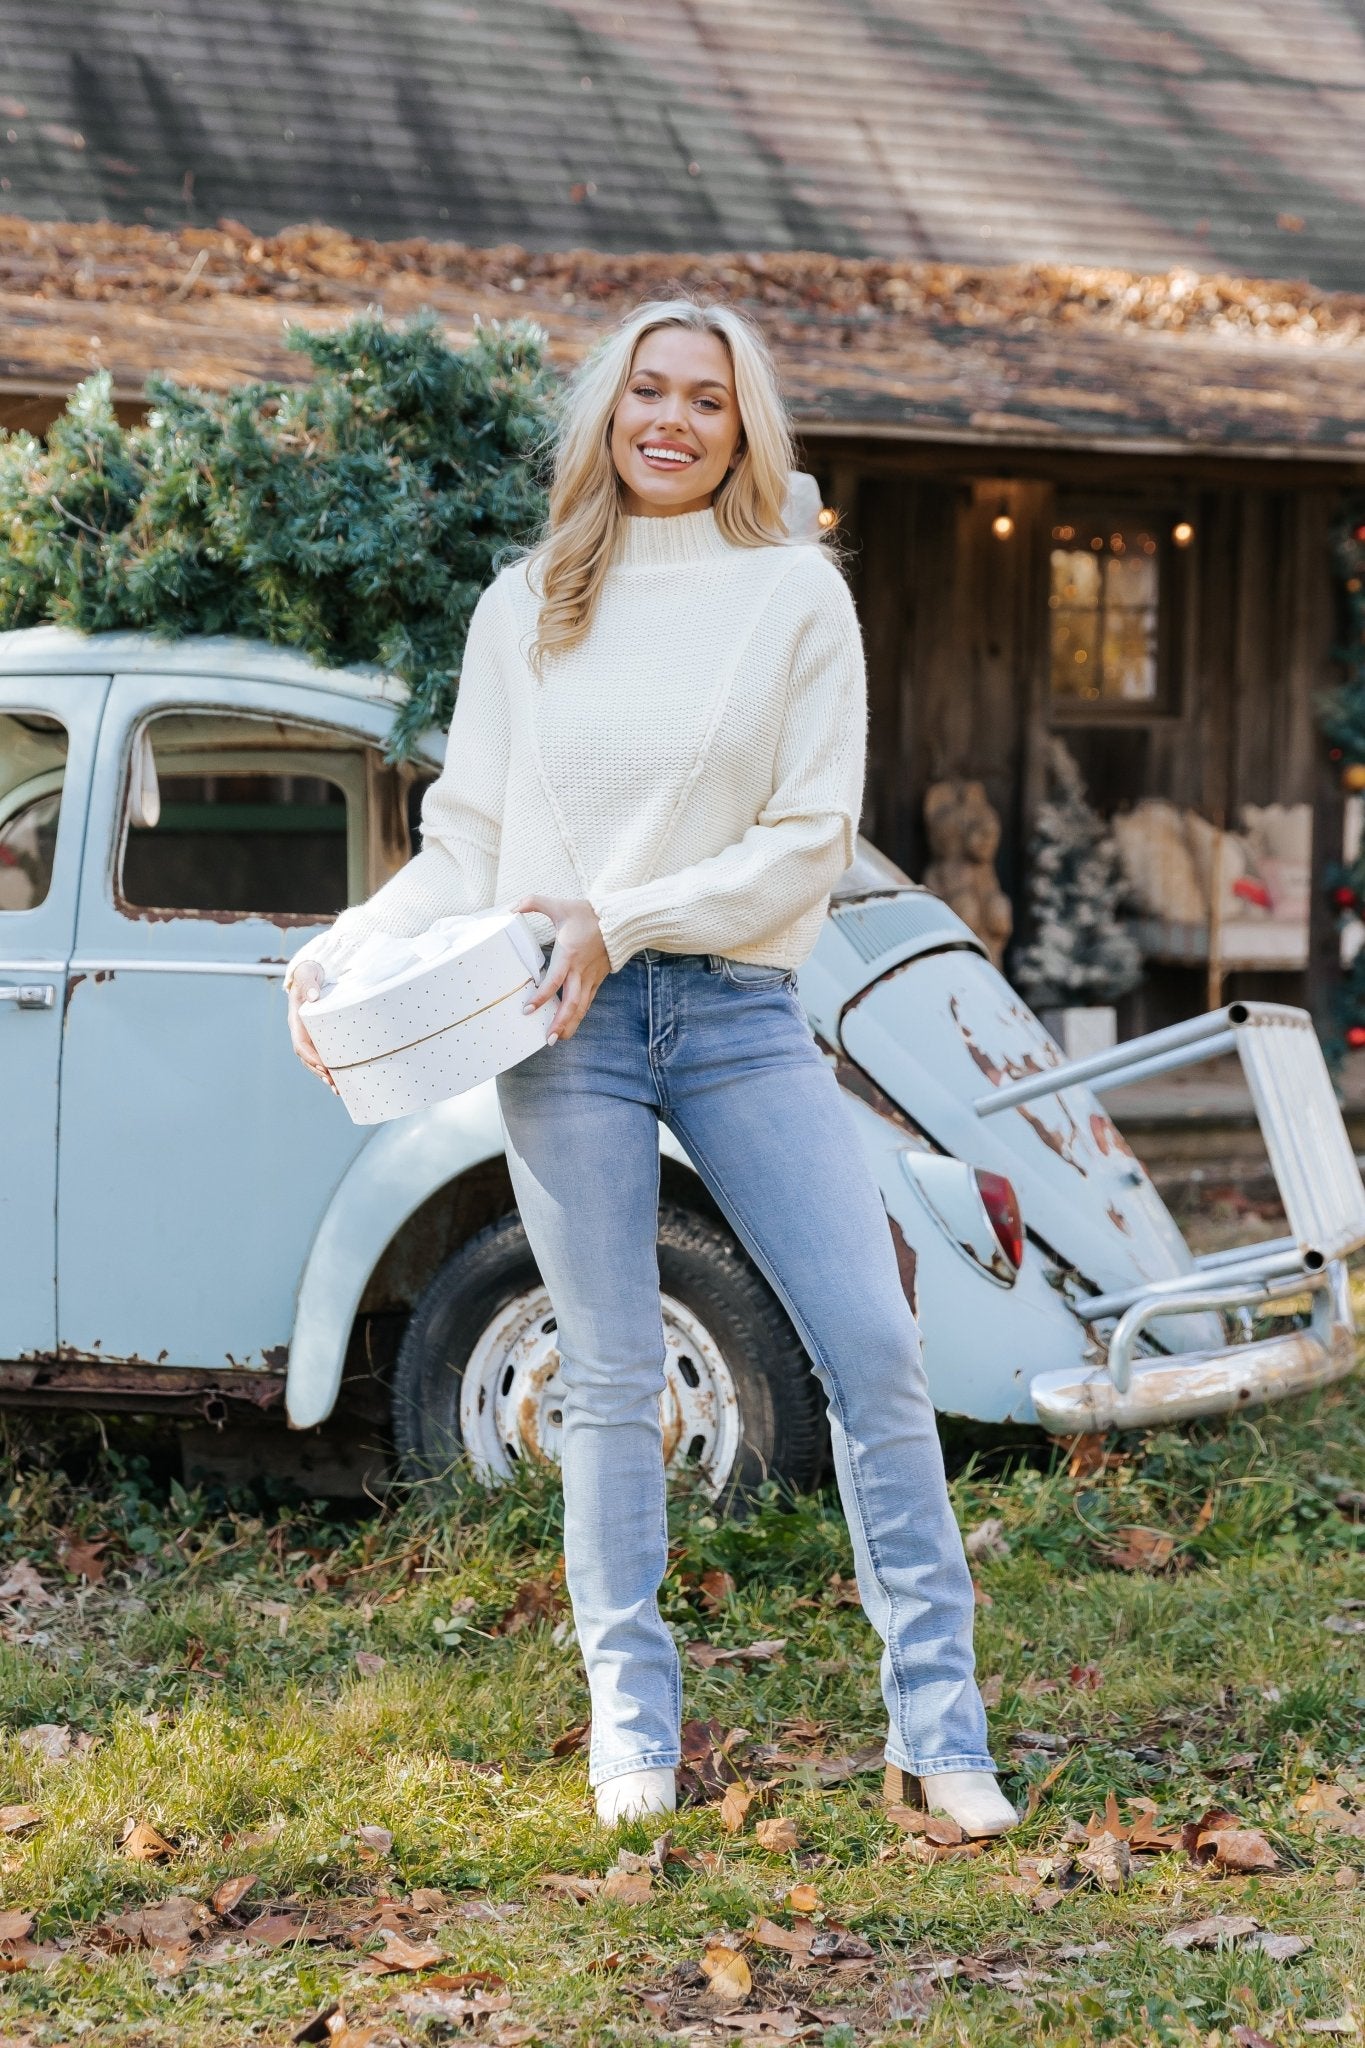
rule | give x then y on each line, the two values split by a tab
722	1052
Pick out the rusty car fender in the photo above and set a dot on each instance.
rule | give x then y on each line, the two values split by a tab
402	1165
405	1163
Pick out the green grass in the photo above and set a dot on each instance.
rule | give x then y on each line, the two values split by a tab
1220	1685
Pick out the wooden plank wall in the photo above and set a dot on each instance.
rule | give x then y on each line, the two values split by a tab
955	624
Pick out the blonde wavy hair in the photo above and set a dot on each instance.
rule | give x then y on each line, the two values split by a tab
567	566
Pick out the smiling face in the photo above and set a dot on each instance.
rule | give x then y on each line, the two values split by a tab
676	429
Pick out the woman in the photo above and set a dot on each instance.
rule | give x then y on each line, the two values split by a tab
657	754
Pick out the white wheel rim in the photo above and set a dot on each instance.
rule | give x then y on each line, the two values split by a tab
511	1397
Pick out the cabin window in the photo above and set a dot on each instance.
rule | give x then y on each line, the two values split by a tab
1108	599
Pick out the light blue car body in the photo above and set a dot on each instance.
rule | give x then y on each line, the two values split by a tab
179	1196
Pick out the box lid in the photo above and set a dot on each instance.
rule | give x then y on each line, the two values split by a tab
395	992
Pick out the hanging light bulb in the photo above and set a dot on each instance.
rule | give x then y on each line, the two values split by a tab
1182	533
1002	526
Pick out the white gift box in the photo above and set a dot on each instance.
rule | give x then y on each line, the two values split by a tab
410	1022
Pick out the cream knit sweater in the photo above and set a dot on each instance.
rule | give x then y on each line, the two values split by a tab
693	767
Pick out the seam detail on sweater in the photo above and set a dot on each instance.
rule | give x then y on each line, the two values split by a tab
719	704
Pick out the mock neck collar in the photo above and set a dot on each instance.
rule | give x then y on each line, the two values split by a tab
642	542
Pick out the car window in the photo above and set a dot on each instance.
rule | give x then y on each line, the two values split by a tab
32	768
247	816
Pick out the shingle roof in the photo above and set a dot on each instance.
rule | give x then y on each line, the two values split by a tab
1226	134
1026	355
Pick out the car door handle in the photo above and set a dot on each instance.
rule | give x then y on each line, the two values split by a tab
30	995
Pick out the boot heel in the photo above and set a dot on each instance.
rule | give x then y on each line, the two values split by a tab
902	1788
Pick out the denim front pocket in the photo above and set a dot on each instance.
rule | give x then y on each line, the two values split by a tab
753	974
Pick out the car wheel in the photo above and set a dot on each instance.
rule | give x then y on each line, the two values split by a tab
477	1373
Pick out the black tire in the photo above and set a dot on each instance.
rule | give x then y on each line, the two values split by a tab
782	1429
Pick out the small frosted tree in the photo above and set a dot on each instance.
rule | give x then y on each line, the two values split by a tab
1081	951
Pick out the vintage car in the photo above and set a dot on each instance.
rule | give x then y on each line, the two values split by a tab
190	1223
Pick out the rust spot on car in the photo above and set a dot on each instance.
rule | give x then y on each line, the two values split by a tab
73	982
1054	1140
1108	1137
907	1265
865	1088
1119	1220
529	1406
994	1074
275	1357
71	1378
283	920
104	974
1060	1142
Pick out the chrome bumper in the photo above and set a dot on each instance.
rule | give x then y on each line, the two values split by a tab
1196	1383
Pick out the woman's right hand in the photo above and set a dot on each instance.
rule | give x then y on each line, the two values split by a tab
305	986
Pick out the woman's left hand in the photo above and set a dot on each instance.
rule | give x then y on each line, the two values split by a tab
579	963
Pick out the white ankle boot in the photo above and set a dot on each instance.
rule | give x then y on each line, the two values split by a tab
635	1793
972	1798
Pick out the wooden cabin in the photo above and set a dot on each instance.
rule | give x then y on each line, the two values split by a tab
1085	460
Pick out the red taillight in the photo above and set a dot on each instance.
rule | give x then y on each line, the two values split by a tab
1001	1204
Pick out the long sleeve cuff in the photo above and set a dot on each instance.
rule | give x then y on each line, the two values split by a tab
750	892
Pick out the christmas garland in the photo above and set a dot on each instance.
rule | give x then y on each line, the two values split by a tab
1342	716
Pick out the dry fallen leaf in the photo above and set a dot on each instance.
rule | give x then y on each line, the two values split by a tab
836	1946
986	1541
910	1999
255	1838
277	1611
368	1663
372	1842
572	1740
1219	1840
1108	1859
728	1976
1088	1455
141	1842
580	1888
1217	1931
169	1925
705	1655
398	1953
779	1835
1281	1948
628	1887
803	1898
993	1689
792	1941
935	1828
83	1560
715	1588
734	1807
1322	1797
1085	1677
21	1583
15	1925
230	1894
1141	1833
17	1820
774	2023
537	1600
276	1930
1237	1849
50	1740
1141	1550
